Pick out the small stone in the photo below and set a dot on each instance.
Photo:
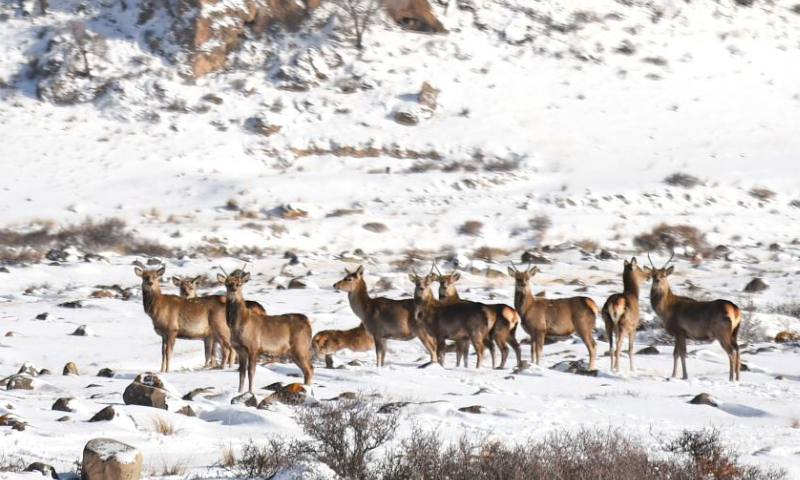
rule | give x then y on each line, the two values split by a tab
577	367
19	426
105	415
247	399
605	255
45	371
11	334
106	373
42	316
62	405
73	304
43	468
297	283
28	369
82	331
756	285
19	382
704	399
65	418
347	396
187	410
651	350
523	365
535	259
472	409
404	117
70	369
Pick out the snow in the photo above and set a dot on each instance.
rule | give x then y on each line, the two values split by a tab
709	89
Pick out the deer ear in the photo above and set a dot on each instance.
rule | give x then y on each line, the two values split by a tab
634	262
196	280
456	276
162	270
648	270
246	277
360	270
138	271
347	272
221	278
533	271
412	277
176	281
670	270
512	271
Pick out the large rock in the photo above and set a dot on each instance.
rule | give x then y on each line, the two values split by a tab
105	415
71	369
19	382
414	15
756	285
107	459
62	405
291	394
146	390
43	468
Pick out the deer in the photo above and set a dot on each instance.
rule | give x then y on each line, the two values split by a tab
188	289
542	316
621	312
504	332
383	318
175	317
328	342
253	333
459	321
685	317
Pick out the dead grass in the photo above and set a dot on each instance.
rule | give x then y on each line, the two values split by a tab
169	469
11	464
666	237
164	426
228	455
471	228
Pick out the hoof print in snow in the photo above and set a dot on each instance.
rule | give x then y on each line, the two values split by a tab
187	410
651	350
704	399
291	394
756	285
18	382
105	415
107	459
393	407
197	391
577	367
106	373
43	468
472	409
146	390
62	405
787	337
71	369
247	399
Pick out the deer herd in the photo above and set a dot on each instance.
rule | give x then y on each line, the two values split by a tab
243	328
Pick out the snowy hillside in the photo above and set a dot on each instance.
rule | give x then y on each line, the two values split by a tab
550	126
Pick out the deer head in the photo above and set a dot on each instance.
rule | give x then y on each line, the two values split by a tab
150	278
522	277
447	283
187	286
234	282
638	274
350	280
422	285
659	275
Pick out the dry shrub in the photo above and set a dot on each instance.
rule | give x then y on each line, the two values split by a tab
164	426
668	237
489	253
227	456
264	461
471	228
501	165
540	224
680	179
762	193
790	308
11	464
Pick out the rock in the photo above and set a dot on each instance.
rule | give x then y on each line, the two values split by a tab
19	382
82	331
62	405
7	420
42	316
577	367
787	337
416	15
704	399
247	399
43	468
212	98
105	415
347	396
406	117
11	334
297	283
291	394
605	255
472	409
28	369
44	372
393	407
428	96
146	390
70	369
274	386
651	350
756	285
19	426
107	459
356	363
106	373
65	418
72	304
375	227
187	410
535	259
4	270
197	391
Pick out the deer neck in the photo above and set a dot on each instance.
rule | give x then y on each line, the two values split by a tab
661	300
235	311
360	300
150	299
449	294
630	283
523	299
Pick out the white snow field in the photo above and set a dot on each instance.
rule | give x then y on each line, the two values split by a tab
556	139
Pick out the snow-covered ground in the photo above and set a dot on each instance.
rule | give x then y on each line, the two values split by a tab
571	111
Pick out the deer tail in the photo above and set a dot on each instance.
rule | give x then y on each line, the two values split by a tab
734	314
614	309
592	306
511	316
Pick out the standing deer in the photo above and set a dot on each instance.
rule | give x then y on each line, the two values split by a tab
685	317
253	333
383	318
459	321
328	342
621	312
188	289
175	317
504	332
542	316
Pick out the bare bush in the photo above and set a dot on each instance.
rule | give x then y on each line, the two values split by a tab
680	179
11	464
164	426
361	14
471	227
790	308
540	224
762	193
265	460
346	433
669	237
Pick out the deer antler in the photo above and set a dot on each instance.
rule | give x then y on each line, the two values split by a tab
437	270
514	266
651	261
670	258
223	270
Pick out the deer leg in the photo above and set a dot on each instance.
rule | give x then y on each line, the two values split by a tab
586	336
610	335
683	357
252	362
170	345
164	354
631	337
738	358
502	344
540	345
301	359
380	349
242	370
208	343
512	340
617	347
462	352
440	350
488	342
477	342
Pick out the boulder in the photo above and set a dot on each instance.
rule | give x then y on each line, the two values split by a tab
43	468
19	382
146	390
82	331
291	394
107	459
472	409
651	350
62	405
71	369
428	96
756	285
704	399
577	367
247	399
106	373
105	415
406	117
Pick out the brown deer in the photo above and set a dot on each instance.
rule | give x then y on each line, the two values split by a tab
188	289
685	317
621	312
383	318
175	317
253	333
504	332
542	316
328	342
459	321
